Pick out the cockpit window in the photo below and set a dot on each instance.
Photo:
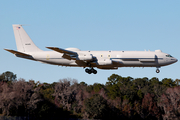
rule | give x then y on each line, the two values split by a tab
168	56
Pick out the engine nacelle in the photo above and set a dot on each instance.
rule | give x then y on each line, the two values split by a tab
84	57
104	62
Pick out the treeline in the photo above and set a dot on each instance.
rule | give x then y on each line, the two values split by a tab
120	98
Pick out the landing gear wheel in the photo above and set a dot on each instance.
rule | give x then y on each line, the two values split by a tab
157	70
89	71
94	71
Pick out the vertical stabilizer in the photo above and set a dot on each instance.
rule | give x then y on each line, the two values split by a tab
23	41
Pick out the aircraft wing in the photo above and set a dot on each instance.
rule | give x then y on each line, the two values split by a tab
67	53
62	50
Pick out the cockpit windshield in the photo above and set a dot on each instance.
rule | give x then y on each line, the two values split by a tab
169	56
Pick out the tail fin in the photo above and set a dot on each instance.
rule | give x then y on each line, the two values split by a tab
23	41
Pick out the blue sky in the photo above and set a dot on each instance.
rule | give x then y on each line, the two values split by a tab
91	25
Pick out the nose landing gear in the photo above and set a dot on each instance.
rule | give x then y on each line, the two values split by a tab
91	70
157	70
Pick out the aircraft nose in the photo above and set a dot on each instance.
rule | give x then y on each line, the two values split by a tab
175	60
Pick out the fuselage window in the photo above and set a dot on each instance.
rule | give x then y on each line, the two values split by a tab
101	55
109	56
168	56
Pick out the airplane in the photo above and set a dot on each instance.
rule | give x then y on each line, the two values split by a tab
87	59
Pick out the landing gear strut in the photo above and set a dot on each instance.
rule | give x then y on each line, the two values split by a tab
157	70
91	70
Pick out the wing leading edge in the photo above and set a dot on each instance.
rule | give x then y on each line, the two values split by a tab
62	50
67	54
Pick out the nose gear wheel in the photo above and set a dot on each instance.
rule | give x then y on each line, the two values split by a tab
157	70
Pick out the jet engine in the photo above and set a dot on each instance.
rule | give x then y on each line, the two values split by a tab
84	57
104	62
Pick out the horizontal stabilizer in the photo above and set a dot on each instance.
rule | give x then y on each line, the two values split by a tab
18	53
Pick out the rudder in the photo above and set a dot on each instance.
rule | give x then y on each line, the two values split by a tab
23	41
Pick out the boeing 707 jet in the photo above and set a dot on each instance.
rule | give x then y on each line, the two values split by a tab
87	59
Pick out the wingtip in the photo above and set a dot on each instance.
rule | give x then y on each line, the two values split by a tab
51	47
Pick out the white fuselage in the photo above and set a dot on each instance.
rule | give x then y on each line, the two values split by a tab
118	58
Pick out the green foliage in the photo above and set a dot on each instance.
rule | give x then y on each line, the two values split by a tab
154	81
89	88
83	83
47	91
113	91
8	76
125	97
140	83
113	79
140	94
112	86
177	82
96	107
97	87
168	82
118	86
44	110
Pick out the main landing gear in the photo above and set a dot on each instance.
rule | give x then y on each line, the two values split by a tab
91	70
